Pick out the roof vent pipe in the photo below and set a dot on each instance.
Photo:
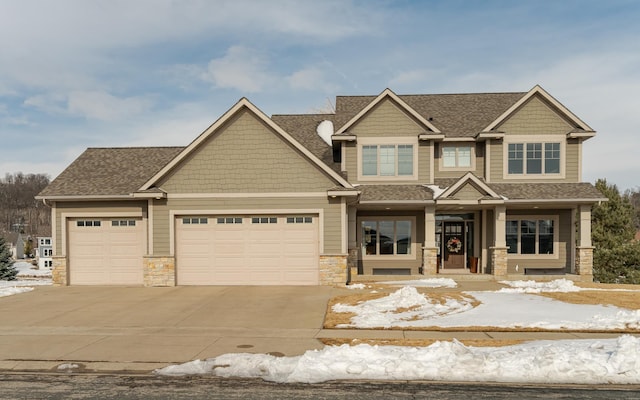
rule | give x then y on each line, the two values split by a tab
325	131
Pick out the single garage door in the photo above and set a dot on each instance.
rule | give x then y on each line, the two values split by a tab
247	250
105	251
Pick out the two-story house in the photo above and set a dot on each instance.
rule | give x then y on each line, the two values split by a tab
487	184
45	252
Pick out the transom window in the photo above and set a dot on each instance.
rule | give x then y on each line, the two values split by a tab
127	222
456	157
387	160
534	158
386	237
299	220
264	220
88	223
195	220
531	236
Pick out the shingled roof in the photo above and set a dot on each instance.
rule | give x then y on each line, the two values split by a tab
396	193
110	171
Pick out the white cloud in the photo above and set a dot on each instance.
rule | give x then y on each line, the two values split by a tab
311	78
241	68
104	106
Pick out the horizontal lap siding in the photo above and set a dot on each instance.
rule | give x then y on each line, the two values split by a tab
92	208
385	120
331	209
479	159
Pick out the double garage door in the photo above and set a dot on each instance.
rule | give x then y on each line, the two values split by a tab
247	250
105	251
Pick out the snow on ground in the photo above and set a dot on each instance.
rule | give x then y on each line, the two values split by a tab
407	308
564	361
431	283
9	288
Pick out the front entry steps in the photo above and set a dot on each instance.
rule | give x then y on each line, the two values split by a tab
469	277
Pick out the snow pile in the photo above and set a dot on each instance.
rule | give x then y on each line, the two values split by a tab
558	285
26	269
355	286
431	283
401	308
566	361
10	291
437	191
325	131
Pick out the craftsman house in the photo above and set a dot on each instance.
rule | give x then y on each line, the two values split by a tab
487	184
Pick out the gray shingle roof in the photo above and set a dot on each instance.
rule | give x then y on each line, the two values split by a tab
550	191
374	193
110	171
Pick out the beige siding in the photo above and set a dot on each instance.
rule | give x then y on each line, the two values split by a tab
424	162
573	160
92	208
478	170
332	223
535	117
246	156
386	119
468	192
496	160
351	161
564	245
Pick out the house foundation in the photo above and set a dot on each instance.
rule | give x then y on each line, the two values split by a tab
59	274
159	271
429	260
584	263
333	269
499	261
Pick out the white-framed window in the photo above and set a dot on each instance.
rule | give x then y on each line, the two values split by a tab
195	220
229	220
124	222
387	237
532	236
47	252
88	223
48	263
387	158
534	157
457	157
264	220
299	220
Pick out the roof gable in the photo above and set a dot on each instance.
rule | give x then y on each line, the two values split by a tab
471	186
242	107
538	91
387	94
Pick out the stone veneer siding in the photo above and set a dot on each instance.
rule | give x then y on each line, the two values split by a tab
430	260
584	263
333	270
499	261
59	271
159	271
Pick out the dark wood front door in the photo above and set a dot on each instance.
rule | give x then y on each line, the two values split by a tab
453	245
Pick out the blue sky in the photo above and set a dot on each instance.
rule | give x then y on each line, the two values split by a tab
77	74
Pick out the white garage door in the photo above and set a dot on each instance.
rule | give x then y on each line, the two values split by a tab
105	251
247	250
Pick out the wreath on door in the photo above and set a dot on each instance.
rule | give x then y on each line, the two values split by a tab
454	245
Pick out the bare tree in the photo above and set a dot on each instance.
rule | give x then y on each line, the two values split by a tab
19	210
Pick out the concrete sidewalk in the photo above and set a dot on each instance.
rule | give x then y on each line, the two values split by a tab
140	329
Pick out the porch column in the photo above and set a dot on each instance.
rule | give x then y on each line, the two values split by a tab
584	248
430	250
499	248
352	243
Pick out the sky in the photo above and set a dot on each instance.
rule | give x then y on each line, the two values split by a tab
113	73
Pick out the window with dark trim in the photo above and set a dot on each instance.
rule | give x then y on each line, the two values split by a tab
529	236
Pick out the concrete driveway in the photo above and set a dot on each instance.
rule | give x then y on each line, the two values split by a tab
115	328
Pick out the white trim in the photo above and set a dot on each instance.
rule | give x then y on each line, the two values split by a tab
483	242
54	236
472	156
556	236
150	226
344	220
342	193
572	238
388	93
88	197
89	214
432	166
243	103
487	160
527	139
401	140
343	158
173	214
430	136
538	90
344	138
459	139
580	161
244	195
464	179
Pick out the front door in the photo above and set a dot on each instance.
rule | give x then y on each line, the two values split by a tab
453	245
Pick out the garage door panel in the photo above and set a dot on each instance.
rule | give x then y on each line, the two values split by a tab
246	253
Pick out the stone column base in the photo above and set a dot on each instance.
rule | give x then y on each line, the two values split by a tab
584	262
333	269
498	261
59	275
159	271
429	260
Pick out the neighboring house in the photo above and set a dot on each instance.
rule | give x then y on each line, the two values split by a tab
487	183
44	252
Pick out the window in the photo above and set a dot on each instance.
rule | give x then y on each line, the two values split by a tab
195	221
126	222
387	160
88	223
386	237
229	220
457	157
48	263
531	236
47	253
264	220
299	220
533	158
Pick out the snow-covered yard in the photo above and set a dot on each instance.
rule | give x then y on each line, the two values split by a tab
25	280
562	361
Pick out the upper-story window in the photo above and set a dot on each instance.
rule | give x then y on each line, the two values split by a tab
534	158
387	160
457	157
